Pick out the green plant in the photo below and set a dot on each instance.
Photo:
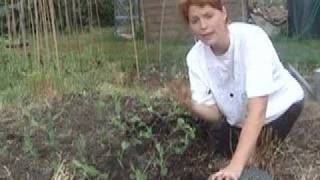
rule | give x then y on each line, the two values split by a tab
160	160
116	96
100	106
51	135
124	146
189	134
146	131
81	148
137	174
118	124
28	146
88	170
3	149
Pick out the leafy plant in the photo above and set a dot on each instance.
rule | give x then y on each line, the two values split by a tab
3	149
81	148
88	170
160	160
137	174
28	146
124	146
189	134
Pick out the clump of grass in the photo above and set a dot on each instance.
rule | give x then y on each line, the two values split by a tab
63	172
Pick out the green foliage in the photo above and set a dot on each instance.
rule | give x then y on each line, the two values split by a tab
160	159
184	141
28	146
81	148
124	146
137	174
3	149
88	170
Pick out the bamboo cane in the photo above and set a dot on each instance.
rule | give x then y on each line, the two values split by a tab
14	25
37	31
23	27
161	30
80	15
74	16
97	14
145	40
54	34
67	16
134	40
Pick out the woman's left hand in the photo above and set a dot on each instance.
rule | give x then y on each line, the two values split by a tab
228	173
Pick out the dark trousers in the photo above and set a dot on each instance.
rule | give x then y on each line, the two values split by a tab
276	130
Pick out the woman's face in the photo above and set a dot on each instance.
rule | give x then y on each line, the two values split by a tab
207	23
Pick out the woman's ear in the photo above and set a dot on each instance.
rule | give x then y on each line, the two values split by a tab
224	10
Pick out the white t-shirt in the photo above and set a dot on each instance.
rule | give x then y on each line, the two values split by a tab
250	68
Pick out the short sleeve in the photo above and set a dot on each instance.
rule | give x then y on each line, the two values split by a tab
260	58
201	92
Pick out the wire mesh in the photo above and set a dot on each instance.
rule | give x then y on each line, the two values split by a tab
122	16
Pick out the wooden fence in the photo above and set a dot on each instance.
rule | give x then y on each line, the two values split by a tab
162	16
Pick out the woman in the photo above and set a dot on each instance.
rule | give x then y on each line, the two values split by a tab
235	72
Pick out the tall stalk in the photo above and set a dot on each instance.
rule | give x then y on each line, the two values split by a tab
90	12
161	30
42	7
37	31
67	16
80	15
61	25
145	32
14	25
23	27
8	22
134	39
97	13
54	34
74	16
30	15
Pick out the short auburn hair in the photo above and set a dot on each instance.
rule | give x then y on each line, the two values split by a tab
184	6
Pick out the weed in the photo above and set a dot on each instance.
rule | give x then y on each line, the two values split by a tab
137	174
63	172
3	149
189	134
145	132
118	124
117	103
88	170
160	159
28	146
51	135
124	146
81	148
100	106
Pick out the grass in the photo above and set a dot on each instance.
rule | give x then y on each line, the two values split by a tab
304	54
92	61
99	59
87	61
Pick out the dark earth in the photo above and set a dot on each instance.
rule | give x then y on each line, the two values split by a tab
96	136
